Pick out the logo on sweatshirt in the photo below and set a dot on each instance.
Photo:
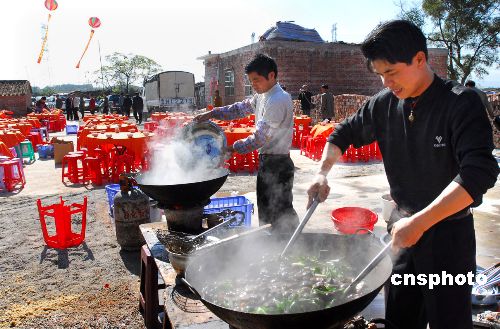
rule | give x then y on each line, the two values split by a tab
439	144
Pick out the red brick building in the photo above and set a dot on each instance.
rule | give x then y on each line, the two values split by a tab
15	96
340	65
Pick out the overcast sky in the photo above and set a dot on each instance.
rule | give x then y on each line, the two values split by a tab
173	33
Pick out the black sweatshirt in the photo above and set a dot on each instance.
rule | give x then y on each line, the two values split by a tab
450	139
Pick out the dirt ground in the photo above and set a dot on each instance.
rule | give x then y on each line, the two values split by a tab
96	284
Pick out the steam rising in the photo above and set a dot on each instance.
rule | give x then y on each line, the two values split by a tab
177	161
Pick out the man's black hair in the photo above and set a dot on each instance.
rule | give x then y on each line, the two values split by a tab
470	83
324	86
44	98
395	41
262	65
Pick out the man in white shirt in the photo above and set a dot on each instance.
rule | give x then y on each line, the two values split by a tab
273	110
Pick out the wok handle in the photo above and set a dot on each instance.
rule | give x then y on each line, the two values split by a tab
387	324
190	287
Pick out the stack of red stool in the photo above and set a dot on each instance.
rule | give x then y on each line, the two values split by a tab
13	174
74	173
35	139
94	170
298	132
64	237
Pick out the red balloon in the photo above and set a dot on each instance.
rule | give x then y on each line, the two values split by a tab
51	4
94	22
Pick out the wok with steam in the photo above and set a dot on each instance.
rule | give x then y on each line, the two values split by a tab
184	195
232	261
206	142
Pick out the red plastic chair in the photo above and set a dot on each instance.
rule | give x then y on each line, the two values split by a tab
62	214
73	172
94	171
13	174
35	139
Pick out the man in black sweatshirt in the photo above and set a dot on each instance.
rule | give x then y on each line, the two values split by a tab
436	143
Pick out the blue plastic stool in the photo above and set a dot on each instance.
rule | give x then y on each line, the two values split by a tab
71	129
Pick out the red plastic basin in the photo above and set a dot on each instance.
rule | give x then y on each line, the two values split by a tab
348	220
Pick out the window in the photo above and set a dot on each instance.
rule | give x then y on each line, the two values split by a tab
229	83
248	86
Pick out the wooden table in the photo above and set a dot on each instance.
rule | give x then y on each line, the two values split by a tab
177	317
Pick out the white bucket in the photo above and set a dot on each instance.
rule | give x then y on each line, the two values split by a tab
388	205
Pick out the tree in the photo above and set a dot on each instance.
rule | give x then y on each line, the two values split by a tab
468	29
123	70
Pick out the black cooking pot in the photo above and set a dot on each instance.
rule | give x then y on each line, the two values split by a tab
355	250
183	195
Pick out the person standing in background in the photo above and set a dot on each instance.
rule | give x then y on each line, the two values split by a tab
487	106
69	108
105	106
217	101
137	107
305	98
120	104
327	104
127	105
59	102
91	105
76	106
81	106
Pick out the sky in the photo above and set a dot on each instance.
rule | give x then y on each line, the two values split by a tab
173	33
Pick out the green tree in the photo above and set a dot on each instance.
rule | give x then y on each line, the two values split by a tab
468	29
123	70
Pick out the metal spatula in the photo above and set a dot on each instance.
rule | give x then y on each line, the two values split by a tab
299	228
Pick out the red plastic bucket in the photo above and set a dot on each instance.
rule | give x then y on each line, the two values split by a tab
348	220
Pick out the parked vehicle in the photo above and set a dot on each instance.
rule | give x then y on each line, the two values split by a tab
171	91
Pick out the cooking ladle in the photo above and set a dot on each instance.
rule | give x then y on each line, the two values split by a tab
299	228
373	263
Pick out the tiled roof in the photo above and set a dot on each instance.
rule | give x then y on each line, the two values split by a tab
291	32
14	87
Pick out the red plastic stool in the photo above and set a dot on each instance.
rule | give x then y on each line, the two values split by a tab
93	170
35	139
12	174
74	173
64	237
120	164
319	145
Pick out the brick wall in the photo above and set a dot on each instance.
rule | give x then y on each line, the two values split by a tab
341	66
16	104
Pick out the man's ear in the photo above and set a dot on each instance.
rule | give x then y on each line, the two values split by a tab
271	76
420	58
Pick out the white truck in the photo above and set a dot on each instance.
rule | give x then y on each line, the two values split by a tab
170	91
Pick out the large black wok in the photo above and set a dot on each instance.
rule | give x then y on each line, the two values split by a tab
182	195
357	250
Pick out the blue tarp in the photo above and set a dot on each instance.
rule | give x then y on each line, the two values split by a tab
291	32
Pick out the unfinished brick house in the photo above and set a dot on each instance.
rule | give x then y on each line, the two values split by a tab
15	96
340	65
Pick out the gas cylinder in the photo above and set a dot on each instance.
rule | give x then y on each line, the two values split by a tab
131	209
